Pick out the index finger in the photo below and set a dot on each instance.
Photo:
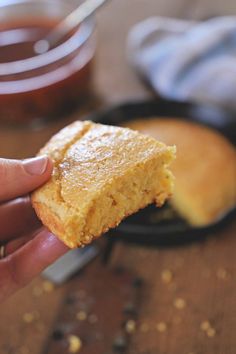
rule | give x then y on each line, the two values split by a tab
22	266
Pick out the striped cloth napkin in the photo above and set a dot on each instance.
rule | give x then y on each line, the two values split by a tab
185	60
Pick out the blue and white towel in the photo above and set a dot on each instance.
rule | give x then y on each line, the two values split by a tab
187	60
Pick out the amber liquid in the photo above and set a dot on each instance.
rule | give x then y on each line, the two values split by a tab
53	98
17	40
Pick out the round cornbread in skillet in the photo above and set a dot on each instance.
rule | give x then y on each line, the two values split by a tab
205	167
101	175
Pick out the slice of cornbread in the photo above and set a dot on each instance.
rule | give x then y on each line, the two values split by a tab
205	168
101	175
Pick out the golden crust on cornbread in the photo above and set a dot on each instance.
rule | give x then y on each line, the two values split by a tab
101	175
205	167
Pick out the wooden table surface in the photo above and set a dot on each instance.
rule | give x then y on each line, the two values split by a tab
183	287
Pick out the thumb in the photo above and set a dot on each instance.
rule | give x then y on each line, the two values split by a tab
21	177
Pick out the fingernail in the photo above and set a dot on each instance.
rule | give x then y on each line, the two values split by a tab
36	165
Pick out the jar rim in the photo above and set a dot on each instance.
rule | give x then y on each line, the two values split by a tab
71	44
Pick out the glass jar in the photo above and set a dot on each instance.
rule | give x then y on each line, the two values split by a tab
35	87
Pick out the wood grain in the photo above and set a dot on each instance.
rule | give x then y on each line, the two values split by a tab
204	277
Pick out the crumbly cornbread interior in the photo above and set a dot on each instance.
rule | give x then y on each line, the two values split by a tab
204	169
101	175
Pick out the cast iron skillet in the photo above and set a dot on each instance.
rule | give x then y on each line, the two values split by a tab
162	226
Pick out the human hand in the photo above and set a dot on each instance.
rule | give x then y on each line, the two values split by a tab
27	249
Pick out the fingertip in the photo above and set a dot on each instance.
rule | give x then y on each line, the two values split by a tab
22	177
52	242
24	264
49	168
36	255
37	166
